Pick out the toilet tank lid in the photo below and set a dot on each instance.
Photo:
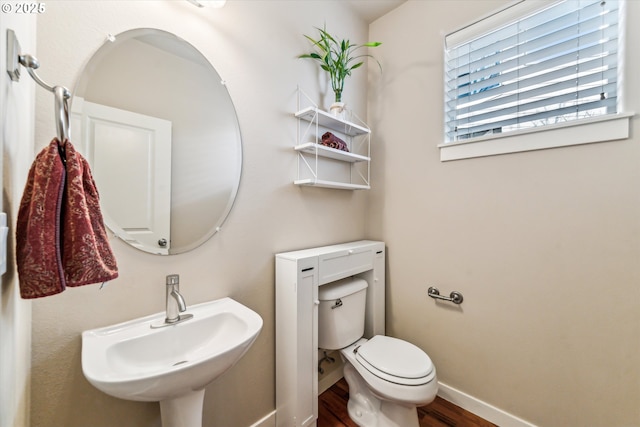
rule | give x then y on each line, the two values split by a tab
341	288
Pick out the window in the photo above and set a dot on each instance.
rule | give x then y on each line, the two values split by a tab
528	68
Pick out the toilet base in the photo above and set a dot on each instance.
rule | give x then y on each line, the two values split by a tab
367	410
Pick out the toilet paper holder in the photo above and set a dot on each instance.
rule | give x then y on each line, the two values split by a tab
455	296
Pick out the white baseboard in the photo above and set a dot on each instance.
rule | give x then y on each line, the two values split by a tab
480	408
268	420
457	397
329	379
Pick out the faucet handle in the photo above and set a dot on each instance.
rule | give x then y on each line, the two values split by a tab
173	279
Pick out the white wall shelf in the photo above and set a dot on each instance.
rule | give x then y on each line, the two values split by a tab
322	166
332	153
330	184
332	122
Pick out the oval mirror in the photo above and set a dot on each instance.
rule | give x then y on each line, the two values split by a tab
158	127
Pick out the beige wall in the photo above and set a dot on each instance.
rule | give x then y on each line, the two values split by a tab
253	45
17	106
543	245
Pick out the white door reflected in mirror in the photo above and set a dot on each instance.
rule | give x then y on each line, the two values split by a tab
138	195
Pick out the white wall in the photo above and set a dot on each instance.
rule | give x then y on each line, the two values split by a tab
253	45
17	105
543	245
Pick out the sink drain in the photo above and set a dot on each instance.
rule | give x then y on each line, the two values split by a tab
180	363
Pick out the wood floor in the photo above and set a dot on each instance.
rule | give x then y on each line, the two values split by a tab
332	411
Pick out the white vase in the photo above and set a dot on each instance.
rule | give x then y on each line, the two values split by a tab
338	109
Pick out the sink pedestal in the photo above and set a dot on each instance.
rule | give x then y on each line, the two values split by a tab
183	411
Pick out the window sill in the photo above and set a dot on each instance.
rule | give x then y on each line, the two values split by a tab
599	129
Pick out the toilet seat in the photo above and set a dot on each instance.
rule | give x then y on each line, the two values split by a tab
404	391
395	360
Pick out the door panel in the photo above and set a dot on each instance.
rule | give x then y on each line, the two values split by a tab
138	196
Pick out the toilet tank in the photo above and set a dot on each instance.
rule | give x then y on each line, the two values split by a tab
341	313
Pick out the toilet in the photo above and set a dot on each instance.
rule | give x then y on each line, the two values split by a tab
388	378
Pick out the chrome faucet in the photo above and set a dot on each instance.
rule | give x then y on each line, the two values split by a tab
175	304
175	301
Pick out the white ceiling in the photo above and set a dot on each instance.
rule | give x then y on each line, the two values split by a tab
371	10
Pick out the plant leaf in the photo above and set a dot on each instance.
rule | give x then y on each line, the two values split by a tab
336	57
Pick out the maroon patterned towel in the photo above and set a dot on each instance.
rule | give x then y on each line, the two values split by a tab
60	236
332	141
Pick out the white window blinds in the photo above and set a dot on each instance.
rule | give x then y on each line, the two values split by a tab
553	65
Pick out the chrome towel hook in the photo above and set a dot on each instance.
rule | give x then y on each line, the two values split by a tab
15	58
455	296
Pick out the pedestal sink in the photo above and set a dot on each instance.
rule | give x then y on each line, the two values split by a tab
172	364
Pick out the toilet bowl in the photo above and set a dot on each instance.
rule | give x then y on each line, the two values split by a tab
388	378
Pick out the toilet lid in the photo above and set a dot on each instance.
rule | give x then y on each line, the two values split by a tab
395	358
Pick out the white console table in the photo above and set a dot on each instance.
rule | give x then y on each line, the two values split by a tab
298	275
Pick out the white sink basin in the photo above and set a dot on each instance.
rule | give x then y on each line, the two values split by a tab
133	361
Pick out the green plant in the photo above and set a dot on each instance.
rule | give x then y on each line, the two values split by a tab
337	58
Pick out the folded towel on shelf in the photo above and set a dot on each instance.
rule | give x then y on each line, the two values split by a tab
60	235
332	141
